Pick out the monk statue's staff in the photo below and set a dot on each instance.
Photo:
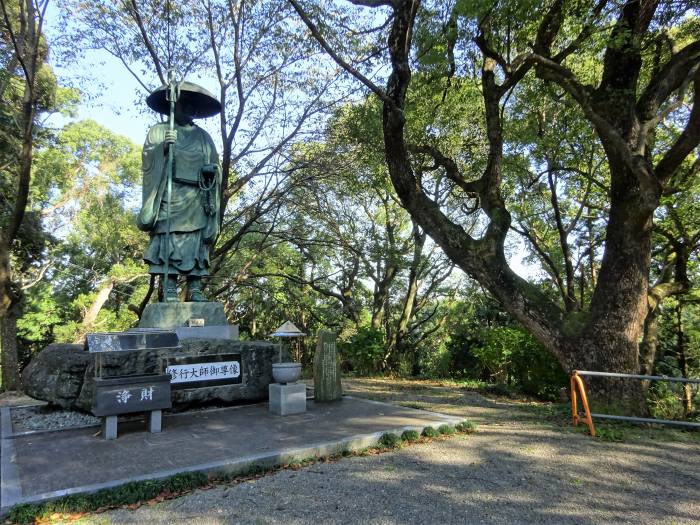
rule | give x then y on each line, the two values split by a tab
172	96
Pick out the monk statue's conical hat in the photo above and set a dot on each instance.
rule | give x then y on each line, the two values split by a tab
203	102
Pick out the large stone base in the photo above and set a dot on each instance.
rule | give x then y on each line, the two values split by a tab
288	399
64	374
171	315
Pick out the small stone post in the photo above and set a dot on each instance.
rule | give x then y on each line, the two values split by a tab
326	369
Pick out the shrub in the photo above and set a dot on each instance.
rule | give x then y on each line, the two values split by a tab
430	432
390	440
410	435
467	427
446	430
486	344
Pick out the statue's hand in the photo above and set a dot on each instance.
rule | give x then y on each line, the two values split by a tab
170	137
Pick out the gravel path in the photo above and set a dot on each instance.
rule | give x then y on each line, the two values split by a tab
515	469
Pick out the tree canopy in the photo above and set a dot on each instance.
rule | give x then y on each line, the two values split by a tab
384	163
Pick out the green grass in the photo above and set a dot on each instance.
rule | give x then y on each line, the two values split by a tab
619	432
412	404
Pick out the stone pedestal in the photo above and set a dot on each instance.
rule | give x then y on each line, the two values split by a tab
154	419
109	427
287	399
110	424
64	374
171	315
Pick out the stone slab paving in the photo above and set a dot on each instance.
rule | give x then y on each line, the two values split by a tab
50	464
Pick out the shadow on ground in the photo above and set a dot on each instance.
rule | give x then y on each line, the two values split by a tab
513	470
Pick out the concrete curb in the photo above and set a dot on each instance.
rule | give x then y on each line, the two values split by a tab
448	418
11	487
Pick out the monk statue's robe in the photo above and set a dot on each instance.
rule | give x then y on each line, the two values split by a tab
194	202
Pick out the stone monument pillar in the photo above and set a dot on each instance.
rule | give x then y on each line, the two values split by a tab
327	385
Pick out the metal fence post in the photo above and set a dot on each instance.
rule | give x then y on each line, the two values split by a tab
577	383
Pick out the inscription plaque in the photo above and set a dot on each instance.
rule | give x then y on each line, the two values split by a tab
204	370
128	394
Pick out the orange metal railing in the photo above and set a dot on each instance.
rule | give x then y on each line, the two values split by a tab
577	385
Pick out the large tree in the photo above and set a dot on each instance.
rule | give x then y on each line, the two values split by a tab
26	87
626	70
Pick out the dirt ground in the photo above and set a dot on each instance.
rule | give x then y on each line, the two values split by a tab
525	464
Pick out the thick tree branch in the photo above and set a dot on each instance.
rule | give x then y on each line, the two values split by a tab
450	167
615	144
687	140
549	28
622	61
667	80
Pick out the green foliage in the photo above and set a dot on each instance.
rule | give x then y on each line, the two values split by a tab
389	440
430	432
364	351
410	435
35	328
678	355
613	434
513	356
83	187
466	427
446	430
487	345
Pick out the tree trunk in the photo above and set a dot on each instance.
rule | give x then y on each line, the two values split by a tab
397	339
26	46
610	338
648	346
8	340
9	305
381	293
5	278
570	303
138	310
94	310
683	361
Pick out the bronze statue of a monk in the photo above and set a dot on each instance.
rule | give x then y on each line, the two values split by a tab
183	230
